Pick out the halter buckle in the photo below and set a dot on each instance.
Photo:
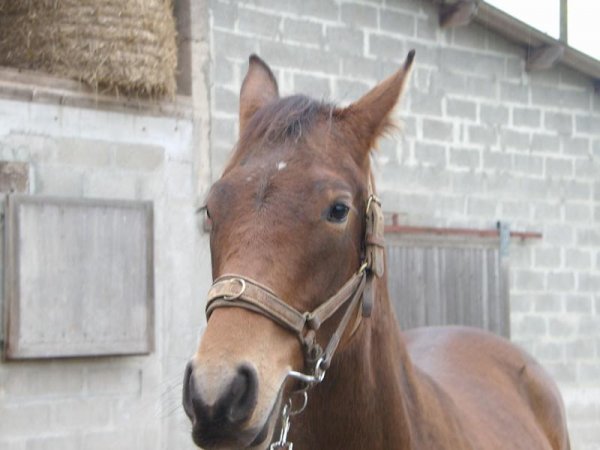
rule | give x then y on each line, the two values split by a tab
239	294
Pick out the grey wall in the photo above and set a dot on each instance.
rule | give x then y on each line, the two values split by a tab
483	140
80	147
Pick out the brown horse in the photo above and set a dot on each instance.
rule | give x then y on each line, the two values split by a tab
289	212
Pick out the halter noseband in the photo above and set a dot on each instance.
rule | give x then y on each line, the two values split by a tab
234	290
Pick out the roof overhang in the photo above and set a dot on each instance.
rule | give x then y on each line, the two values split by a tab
543	51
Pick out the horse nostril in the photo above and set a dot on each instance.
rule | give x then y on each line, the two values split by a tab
187	391
242	394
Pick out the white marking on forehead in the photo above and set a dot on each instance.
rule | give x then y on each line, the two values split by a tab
281	165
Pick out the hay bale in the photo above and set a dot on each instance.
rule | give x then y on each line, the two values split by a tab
121	46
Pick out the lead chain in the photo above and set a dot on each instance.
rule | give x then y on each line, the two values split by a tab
282	443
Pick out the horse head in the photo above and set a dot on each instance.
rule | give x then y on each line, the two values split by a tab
288	217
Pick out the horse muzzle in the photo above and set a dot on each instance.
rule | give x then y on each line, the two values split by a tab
220	421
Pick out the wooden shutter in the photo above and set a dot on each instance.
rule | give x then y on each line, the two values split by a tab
444	281
79	277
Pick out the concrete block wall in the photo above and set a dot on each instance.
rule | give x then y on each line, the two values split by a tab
128	402
482	141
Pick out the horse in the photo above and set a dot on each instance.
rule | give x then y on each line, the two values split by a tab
302	345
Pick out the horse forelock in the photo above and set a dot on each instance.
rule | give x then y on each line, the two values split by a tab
288	120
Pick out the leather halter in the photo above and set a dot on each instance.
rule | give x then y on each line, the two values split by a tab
234	290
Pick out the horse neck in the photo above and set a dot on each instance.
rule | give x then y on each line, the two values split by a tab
368	390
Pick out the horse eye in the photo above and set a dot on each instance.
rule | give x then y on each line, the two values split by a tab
338	212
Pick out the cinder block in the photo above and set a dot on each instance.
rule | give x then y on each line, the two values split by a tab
545	143
233	45
561	372
550	96
225	100
474	36
7	443
223	71
515	210
259	23
530	325
520	303
560	235
515	66
549	351
223	14
349	90
470	62
24	420
388	47
558	122
585	169
546	212
548	257
493	114
578	190
526	117
529	280
482	208
468	182
589	372
580	304
357	15
302	31
561	281
588	283
500	161
397	22
544	303
578	259
363	69
561	326
309	59
82	413
578	212
70	441
461	108
24	382
111	439
482	135
316	87
437	130
587	124
512	92
515	139
528	164
320	9
429	103
345	40
139	156
121	381
464	157
428	28
558	167
430	153
575	146
223	131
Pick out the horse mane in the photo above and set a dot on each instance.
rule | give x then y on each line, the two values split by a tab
288	119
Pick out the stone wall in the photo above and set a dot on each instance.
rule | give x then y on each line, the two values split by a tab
482	141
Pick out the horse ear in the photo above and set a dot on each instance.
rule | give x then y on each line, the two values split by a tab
371	115
258	89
